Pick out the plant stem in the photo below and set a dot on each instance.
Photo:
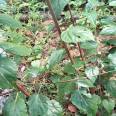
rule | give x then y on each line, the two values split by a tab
73	22
59	30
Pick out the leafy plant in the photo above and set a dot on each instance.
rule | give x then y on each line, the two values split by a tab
71	72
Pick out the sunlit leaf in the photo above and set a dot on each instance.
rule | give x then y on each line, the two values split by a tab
92	73
109	30
112	3
77	34
85	83
54	108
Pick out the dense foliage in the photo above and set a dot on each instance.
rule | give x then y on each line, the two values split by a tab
64	68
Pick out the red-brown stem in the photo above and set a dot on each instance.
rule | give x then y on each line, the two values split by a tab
59	30
73	22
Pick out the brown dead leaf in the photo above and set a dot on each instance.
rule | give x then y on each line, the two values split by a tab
72	108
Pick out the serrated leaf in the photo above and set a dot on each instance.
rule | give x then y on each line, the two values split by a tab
9	21
76	34
109	30
8	73
15	107
54	108
85	103
108	105
92	73
55	57
58	6
110	87
16	49
38	105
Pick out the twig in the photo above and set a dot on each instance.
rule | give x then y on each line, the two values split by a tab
75	79
59	30
73	22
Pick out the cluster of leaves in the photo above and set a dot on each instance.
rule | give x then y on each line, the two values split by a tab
88	84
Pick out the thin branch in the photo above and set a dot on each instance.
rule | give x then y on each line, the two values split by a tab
73	22
76	79
59	30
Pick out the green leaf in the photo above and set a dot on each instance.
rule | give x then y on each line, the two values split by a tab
87	103
76	34
65	89
16	49
8	73
112	58
109	30
92	17
110	87
108	105
58	6
9	21
68	68
85	83
92	73
55	57
15	107
78	63
89	45
38	105
112	3
54	108
111	42
108	20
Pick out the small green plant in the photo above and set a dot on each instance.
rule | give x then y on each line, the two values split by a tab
60	83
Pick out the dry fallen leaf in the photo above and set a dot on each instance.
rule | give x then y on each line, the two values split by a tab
72	108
